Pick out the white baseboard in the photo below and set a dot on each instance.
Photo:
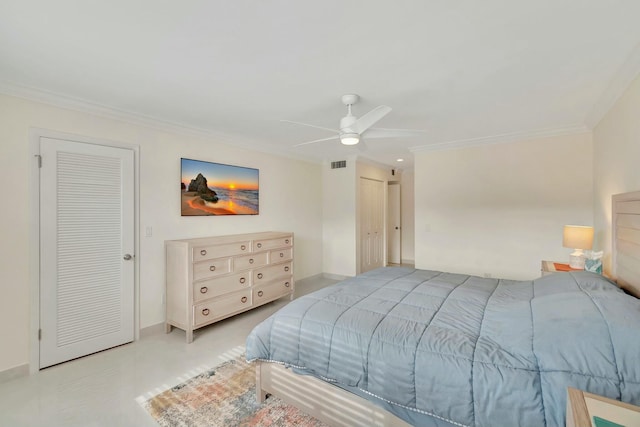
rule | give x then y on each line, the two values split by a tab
334	276
152	330
322	276
315	276
15	372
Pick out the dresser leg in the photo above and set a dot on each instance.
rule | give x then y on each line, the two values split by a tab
167	328
189	337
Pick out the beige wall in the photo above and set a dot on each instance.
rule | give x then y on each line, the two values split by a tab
616	162
339	219
289	200
499	209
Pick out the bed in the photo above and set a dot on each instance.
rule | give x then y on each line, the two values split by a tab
400	346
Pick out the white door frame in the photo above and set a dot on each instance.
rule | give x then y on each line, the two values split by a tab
394	204
34	231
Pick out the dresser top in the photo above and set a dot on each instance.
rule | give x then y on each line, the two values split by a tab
232	238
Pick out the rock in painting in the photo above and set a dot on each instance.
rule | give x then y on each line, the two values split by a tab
199	186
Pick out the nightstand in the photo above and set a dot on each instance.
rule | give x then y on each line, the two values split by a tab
549	267
583	406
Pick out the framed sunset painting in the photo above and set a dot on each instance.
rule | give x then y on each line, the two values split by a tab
217	189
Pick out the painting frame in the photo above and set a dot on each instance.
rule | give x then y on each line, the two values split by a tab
218	189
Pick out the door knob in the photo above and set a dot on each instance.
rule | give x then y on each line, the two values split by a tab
127	257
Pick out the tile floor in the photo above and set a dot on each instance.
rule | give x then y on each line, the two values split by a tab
100	389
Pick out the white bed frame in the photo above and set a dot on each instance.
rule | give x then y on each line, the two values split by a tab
324	401
338	407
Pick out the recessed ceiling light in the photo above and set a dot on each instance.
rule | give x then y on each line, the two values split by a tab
400	160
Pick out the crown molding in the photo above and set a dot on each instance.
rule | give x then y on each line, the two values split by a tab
504	138
100	110
77	104
617	86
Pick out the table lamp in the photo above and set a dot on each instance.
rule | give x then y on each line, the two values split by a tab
579	238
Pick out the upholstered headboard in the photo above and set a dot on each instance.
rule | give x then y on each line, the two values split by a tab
626	241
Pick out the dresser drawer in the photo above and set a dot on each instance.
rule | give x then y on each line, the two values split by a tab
280	255
217	251
249	261
221	307
282	242
220	285
267	274
272	291
211	268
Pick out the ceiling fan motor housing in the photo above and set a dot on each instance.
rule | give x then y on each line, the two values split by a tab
350	99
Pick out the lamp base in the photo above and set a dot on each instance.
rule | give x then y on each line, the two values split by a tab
576	260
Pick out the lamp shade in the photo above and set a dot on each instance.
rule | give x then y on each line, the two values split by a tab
577	237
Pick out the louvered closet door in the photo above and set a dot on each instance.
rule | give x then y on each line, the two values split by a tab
86	229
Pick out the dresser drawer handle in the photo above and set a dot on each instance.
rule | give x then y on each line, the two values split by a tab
260	293
203	252
243	299
242	280
243	247
259	245
287	284
212	268
286	268
259	275
250	260
281	255
204	290
205	311
287	241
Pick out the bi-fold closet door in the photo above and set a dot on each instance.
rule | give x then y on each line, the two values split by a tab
372	239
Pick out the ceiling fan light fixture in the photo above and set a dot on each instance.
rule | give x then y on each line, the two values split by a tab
349	138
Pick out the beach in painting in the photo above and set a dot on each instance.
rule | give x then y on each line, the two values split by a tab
233	203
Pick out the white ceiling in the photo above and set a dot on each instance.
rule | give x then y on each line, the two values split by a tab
463	70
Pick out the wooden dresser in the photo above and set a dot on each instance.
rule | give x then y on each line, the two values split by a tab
212	278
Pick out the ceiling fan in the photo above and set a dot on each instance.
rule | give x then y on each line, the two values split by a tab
352	127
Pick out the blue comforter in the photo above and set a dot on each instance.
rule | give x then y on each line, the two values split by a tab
438	348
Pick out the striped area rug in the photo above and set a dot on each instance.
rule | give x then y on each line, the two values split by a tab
223	395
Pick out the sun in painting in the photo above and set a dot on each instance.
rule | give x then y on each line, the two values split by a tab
232	186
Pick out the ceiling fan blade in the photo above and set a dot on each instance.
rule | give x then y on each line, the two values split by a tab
369	119
392	133
312	126
362	146
317	140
